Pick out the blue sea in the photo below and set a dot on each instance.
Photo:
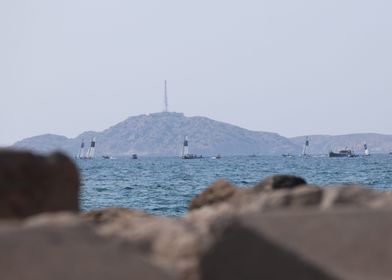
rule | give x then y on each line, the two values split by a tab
165	185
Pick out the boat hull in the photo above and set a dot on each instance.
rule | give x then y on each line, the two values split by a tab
342	154
190	156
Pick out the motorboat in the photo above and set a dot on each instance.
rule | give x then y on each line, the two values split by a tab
343	153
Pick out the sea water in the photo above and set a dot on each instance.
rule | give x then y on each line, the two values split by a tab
165	185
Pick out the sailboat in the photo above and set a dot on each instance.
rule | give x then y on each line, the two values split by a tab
185	151
81	150
365	146
306	147
90	152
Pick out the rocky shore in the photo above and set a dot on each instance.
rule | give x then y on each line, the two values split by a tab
281	228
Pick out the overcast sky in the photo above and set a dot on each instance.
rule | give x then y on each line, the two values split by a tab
292	67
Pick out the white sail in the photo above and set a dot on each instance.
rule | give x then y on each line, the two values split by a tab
81	150
367	153
185	149
306	146
91	149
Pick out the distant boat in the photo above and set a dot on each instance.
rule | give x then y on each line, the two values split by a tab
306	147
367	153
134	156
90	152
81	150
343	153
287	155
106	157
217	157
185	151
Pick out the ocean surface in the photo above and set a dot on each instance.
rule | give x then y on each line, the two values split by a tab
165	185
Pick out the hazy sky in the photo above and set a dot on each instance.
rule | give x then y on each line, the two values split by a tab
292	67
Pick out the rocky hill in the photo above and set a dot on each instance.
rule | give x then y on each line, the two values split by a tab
322	144
162	134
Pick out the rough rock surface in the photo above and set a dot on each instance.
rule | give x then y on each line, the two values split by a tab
242	253
352	244
169	243
110	215
219	191
277	182
31	184
59	246
223	191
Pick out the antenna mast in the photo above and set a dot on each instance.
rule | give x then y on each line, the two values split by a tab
166	102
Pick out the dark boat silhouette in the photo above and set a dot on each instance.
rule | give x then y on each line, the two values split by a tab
343	153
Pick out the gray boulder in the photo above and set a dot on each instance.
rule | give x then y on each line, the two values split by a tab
60	247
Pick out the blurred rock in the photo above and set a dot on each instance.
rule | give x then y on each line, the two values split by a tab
169	243
218	191
309	243
31	184
284	191
241	234
352	244
44	249
110	215
354	196
242	253
277	182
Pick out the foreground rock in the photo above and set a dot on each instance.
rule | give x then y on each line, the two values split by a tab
169	243
31	184
280	182
285	191
219	191
110	215
333	244
61	247
223	191
274	232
